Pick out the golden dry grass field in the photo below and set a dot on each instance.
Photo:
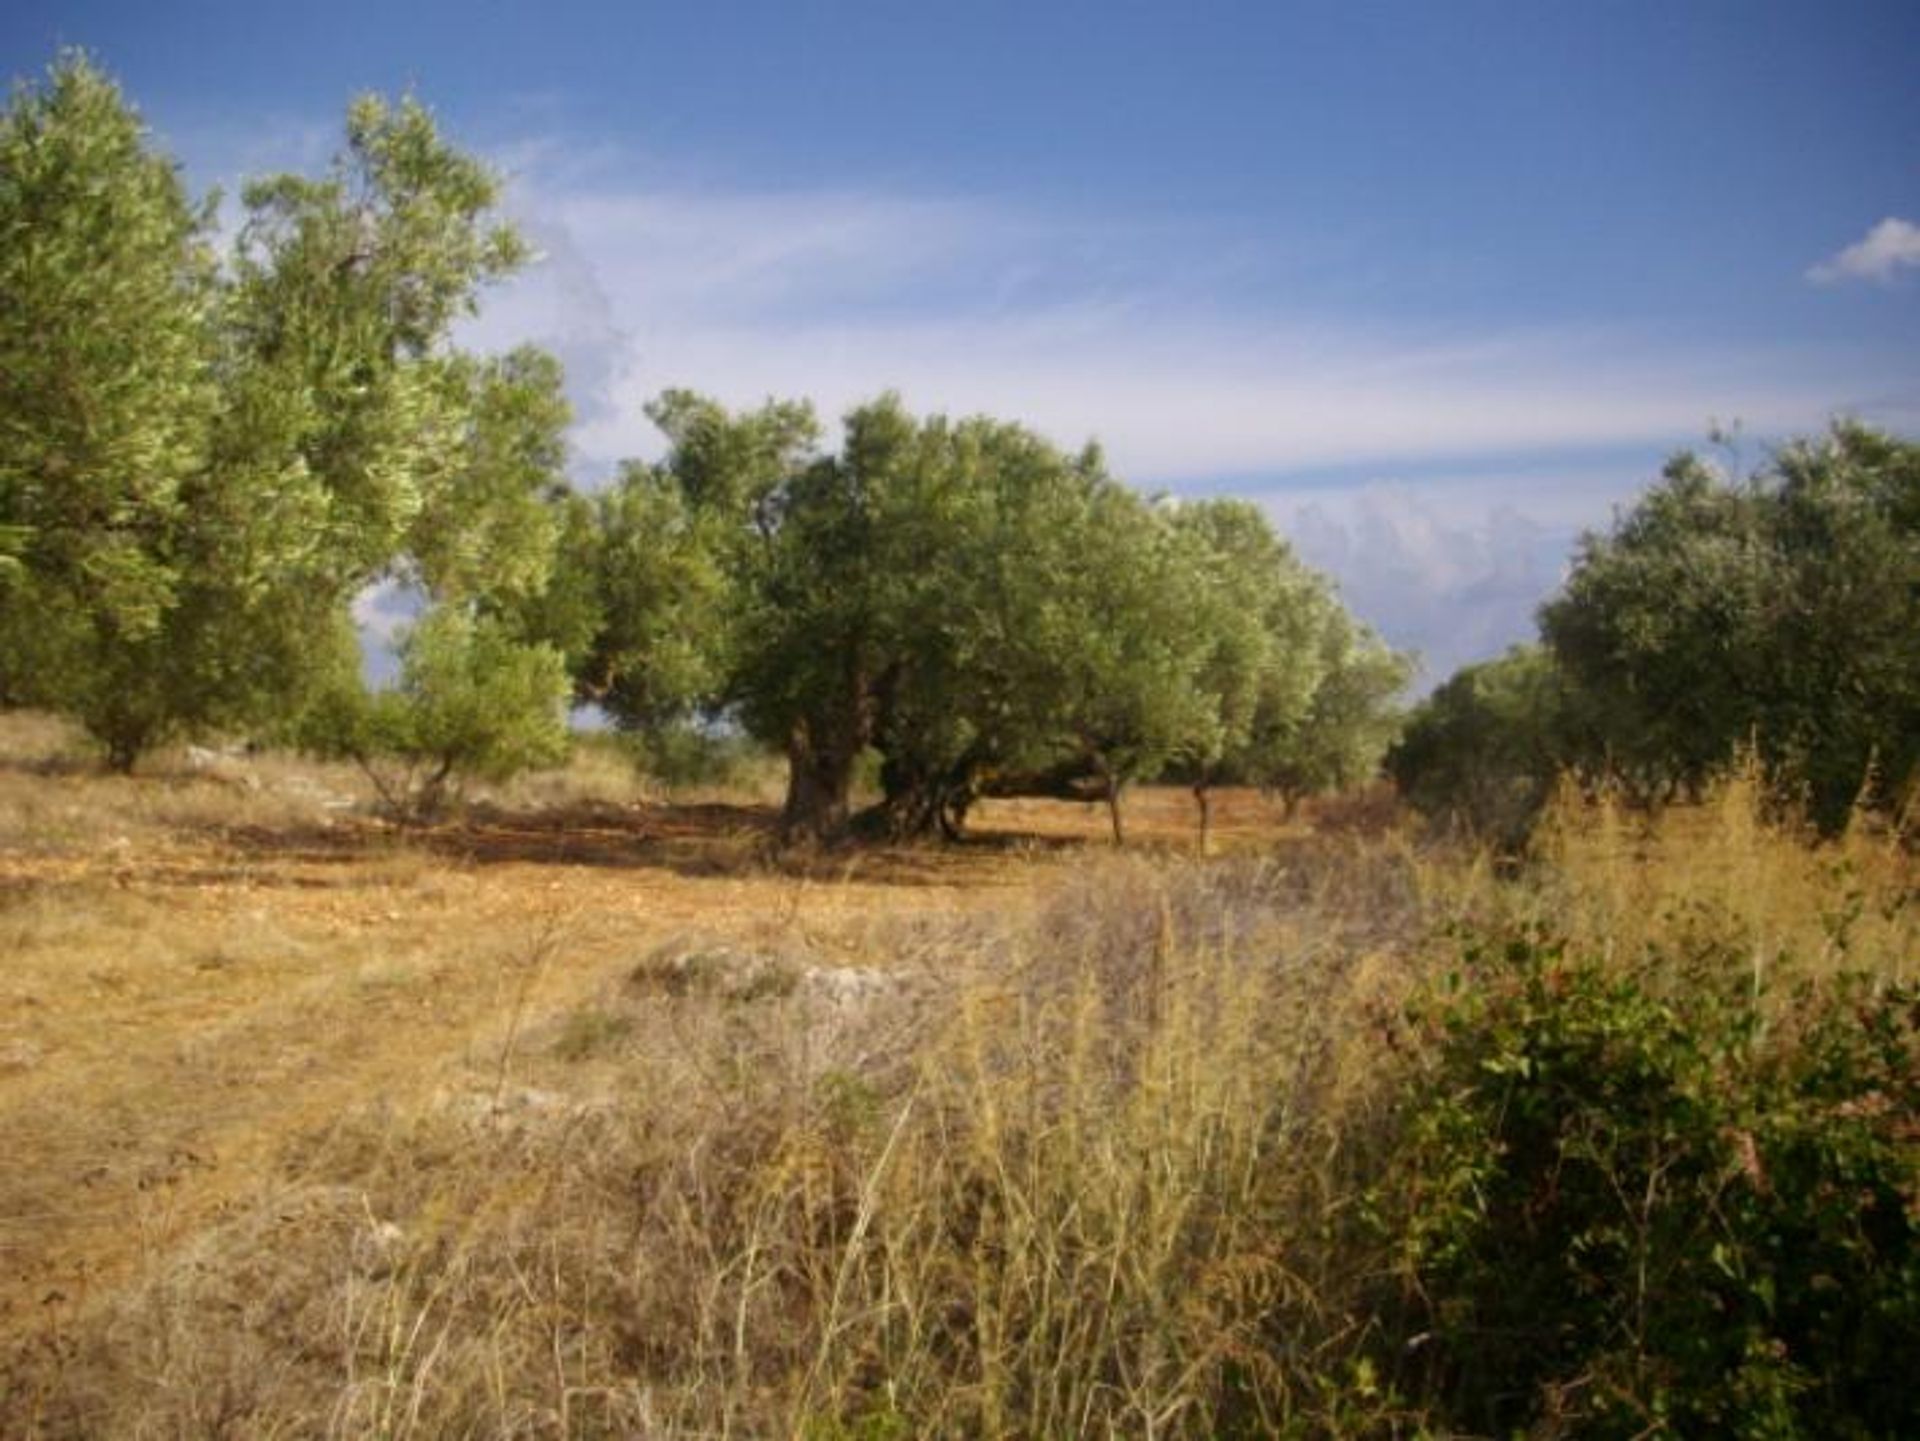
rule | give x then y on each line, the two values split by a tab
213	971
590	1113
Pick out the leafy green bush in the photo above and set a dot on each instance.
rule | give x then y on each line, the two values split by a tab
1655	1198
473	702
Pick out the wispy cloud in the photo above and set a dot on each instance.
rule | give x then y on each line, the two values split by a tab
1452	582
1889	248
1079	326
1175	399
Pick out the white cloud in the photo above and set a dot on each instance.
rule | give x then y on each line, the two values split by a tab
1890	247
1174	399
1079	327
1455	578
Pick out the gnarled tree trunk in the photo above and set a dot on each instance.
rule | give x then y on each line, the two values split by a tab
819	784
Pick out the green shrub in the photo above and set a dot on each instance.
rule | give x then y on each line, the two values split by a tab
473	702
1481	754
1656	1199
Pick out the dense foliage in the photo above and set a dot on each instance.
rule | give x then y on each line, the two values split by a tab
1778	611
1783	607
986	613
1483	751
107	402
205	459
1639	1200
208	458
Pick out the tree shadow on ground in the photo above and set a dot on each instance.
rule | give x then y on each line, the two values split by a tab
694	840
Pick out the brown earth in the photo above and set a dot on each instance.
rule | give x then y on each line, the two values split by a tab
202	973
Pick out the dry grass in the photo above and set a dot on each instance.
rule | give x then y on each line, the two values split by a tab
582	1118
1733	869
707	1206
54	799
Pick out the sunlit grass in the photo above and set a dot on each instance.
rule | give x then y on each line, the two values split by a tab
1026	1142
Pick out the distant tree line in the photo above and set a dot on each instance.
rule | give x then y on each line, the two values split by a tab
1778	610
208	453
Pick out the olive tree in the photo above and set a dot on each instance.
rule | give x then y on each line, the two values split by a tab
107	395
1481	753
994	519
813	632
473	702
1351	719
201	465
1779	607
1663	624
1261	619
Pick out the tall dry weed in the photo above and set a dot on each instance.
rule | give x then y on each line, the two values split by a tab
1071	1173
1741	867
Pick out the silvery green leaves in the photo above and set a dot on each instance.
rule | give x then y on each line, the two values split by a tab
202	464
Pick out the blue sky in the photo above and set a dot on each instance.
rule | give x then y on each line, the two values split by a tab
1440	284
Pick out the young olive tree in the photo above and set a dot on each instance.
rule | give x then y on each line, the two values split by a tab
474	701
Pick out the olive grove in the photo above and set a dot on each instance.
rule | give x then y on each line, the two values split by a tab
212	448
